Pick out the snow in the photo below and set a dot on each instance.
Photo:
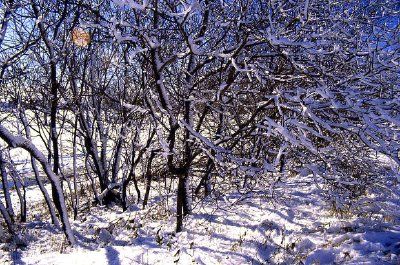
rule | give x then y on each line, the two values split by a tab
295	224
326	95
132	4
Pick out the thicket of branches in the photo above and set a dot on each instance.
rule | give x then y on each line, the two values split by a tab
206	94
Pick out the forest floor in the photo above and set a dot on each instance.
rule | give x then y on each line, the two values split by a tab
294	226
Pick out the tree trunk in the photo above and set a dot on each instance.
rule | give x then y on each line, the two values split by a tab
7	218
131	176
46	196
74	169
186	207
205	180
18	141
92	151
4	182
180	201
53	136
148	179
18	183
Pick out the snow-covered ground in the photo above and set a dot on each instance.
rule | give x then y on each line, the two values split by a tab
294	226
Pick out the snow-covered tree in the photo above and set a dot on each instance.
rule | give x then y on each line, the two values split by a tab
212	95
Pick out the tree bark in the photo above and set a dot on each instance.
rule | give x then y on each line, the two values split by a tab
74	169
7	218
148	179
17	184
4	182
